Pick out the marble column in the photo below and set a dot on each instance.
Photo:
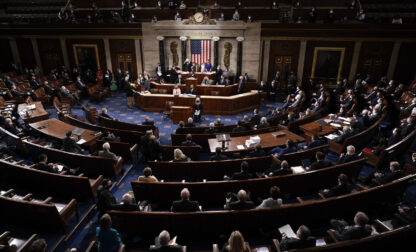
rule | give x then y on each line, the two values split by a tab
107	54
183	40
266	58
36	54
161	52
216	54
138	56
65	53
301	61
355	58
239	56
15	52
393	59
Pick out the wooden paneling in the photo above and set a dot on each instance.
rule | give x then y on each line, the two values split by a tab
123	46
100	47
405	68
50	53
285	48
26	54
6	55
310	47
375	58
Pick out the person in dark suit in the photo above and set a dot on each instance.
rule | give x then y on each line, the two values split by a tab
349	156
181	129
393	174
154	149
343	187
320	162
395	137
218	155
44	166
197	110
258	152
190	123
81	86
17	93
241	84
262	87
346	132
271	90
9	83
408	127
11	127
211	129
104	113
191	90
69	144
188	141
162	244
239	127
127	204
240	204
106	199
34	83
218	75
278	170
256	117
278	152
187	65
147	121
303	240
344	232
315	142
180	80
185	205
105	152
263	123
243	174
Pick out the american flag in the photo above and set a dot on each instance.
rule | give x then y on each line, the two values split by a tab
200	50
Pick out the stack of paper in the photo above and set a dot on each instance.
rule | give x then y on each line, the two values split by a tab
331	136
255	139
288	231
297	169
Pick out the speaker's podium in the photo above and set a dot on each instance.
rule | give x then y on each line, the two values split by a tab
180	113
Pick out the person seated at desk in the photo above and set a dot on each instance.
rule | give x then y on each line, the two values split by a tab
104	113
127	204
192	75
206	81
187	65
66	94
197	110
181	129
395	137
69	144
11	127
185	205
147	176
303	240
211	129
191	90
222	81
256	117
319	163
278	152
81	86
263	123
44	166
180	80
349	156
147	121
154	149
343	187
240	204
258	151
236	243
218	156
276	170
162	243
188	141
239	127
218	123
273	201
190	123
346	132
207	66
176	90
105	152
315	142
344	232
17	93
378	178
243	174
110	137
178	156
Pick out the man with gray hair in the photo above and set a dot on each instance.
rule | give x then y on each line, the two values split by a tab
241	204
211	129
185	205
163	243
127	204
349	156
359	230
105	152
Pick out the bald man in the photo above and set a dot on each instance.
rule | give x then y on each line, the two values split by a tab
241	204
127	204
185	205
162	243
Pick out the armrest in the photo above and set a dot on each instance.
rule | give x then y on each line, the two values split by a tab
27	197
361	187
331	234
63	173
299	199
47	201
380	226
321	195
81	175
7	193
276	244
122	248
215	248
20	162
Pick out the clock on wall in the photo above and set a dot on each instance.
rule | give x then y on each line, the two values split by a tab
199	17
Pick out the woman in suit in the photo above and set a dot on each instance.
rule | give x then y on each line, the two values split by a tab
108	238
197	110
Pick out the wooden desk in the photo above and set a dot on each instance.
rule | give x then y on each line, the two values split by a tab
313	128
267	141
180	113
205	89
32	115
199	76
57	129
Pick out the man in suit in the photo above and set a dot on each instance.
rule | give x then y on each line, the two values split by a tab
343	187
283	169
395	137
181	129
188	141
80	85
162	244
11	127
349	156
278	152
315	142
66	94
9	83
105	152
360	229
241	84
346	132
218	74
408	127
190	123
34	83
17	93
222	81
263	123
106	199
258	152
147	121
262	87
187	65
191	90
303	240
69	144
185	205
239	127
256	117
154	149
218	155
393	174
243	174
211	129
104	113
272	89
127	204
44	166
180	80
240	204
320	162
